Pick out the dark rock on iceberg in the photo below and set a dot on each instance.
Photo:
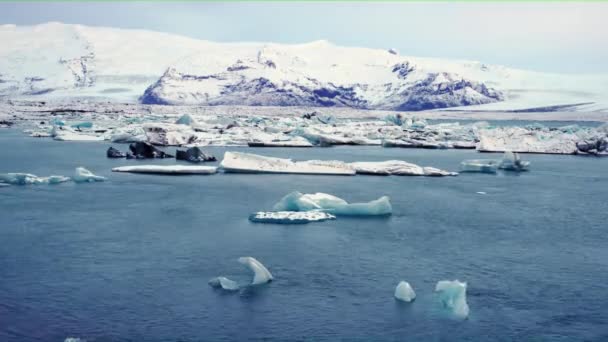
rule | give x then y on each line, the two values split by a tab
114	153
194	155
144	150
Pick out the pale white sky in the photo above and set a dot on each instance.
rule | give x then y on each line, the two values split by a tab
558	37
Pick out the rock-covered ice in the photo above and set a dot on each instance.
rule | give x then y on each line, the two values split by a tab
404	292
168	169
297	201
290	217
82	175
224	283
453	296
261	274
253	163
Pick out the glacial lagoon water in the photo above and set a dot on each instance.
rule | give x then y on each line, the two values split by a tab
129	259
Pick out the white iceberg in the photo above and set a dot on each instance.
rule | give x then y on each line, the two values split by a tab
530	140
405	292
82	175
253	163
168	169
297	201
224	283
398	168
453	296
27	178
512	162
479	165
261	273
290	217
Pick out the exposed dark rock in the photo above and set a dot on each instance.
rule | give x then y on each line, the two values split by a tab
144	150
114	153
194	155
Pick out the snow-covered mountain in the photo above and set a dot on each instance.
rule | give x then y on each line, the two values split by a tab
60	60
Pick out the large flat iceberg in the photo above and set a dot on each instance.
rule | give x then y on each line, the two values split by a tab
168	169
453	296
398	168
253	163
296	201
290	217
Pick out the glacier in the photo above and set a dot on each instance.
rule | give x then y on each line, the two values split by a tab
296	201
290	217
453	296
404	292
261	275
168	169
132	65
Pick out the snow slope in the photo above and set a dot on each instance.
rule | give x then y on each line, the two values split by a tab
60	60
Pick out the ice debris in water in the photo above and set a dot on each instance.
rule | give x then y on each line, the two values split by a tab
261	273
479	165
83	175
512	162
453	296
290	217
27	178
224	283
405	292
74	339
296	201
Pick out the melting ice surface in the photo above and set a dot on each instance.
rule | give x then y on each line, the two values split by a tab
296	201
261	273
405	292
453	296
290	217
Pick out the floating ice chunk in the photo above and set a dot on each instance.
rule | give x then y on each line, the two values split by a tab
86	124
512	162
453	296
479	165
481	193
405	292
185	119
253	163
261	273
83	175
297	201
295	142
397	167
168	169
27	178
65	135
224	283
169	134
74	339
290	217
519	139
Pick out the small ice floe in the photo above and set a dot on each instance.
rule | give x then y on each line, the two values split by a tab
82	175
253	163
290	217
224	283
27	179
295	142
405	292
296	201
453	296
62	133
74	339
512	162
168	169
261	274
398	168
479	165
481	193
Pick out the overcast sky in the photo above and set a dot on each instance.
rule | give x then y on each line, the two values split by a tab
559	37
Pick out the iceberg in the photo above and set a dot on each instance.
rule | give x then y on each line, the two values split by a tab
185	119
224	283
253	163
405	292
261	273
398	168
453	296
512	162
519	139
479	165
169	134
290	217
297	201
83	175
168	169
27	178
114	153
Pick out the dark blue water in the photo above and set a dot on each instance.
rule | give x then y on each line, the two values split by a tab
129	259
